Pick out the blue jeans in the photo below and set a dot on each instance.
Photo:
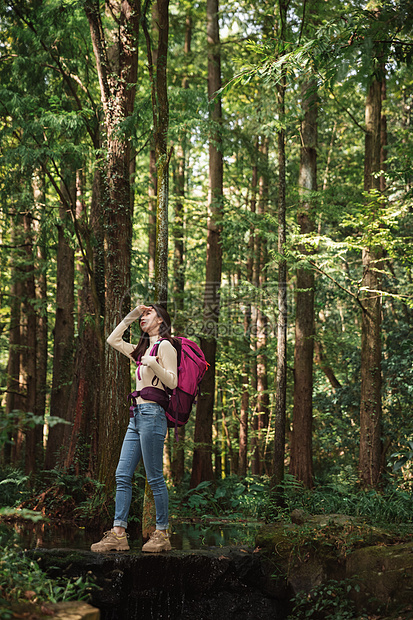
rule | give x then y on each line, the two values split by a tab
144	438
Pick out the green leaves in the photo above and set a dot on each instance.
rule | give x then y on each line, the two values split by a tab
403	457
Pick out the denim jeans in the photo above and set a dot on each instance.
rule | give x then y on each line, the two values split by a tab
144	438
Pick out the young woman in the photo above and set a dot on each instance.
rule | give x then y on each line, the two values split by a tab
146	432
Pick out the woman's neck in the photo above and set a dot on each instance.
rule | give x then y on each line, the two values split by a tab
153	338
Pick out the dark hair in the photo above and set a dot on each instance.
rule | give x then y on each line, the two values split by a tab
164	331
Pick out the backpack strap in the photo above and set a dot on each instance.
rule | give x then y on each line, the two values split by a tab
153	351
132	400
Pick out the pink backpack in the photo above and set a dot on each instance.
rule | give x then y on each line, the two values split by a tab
178	402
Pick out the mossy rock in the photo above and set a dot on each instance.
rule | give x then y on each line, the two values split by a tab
384	575
324	548
327	533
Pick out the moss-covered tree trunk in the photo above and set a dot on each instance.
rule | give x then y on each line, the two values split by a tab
301	460
117	73
281	371
64	329
249	361
41	296
14	389
263	401
370	396
178	459
202	458
29	340
160	113
84	398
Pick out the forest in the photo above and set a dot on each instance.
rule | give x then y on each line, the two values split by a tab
247	165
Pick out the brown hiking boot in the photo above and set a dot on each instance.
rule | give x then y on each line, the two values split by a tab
159	541
111	542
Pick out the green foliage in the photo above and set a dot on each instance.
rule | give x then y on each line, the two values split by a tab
17	420
60	494
401	458
393	505
50	119
13	486
21	579
329	601
230	497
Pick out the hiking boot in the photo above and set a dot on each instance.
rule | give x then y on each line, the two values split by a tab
111	542
159	541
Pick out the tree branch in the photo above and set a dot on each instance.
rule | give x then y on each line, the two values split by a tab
67	77
340	105
340	286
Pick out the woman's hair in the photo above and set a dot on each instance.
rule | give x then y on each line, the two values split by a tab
164	331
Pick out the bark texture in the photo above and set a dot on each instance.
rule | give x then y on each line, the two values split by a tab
281	372
63	331
370	403
202	459
14	388
84	398
29	356
247	364
117	73
301	461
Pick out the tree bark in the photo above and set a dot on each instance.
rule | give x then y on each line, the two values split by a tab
152	192
370	403
178	460
42	323
281	372
14	388
84	398
247	364
202	458
117	79
162	158
29	357
160	113
301	460
153	180
64	330
263	400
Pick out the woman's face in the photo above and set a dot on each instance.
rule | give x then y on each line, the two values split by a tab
150	321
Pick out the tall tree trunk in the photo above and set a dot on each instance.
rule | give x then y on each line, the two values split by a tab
42	324
153	180
178	461
64	330
249	377
256	457
162	158
29	355
301	459
117	82
202	458
281	373
246	366
160	113
370	403
84	398
262	321
152	192
14	389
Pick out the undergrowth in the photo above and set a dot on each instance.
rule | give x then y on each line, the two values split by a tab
22	582
66	495
328	601
389	506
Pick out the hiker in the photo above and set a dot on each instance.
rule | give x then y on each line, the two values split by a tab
146	432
